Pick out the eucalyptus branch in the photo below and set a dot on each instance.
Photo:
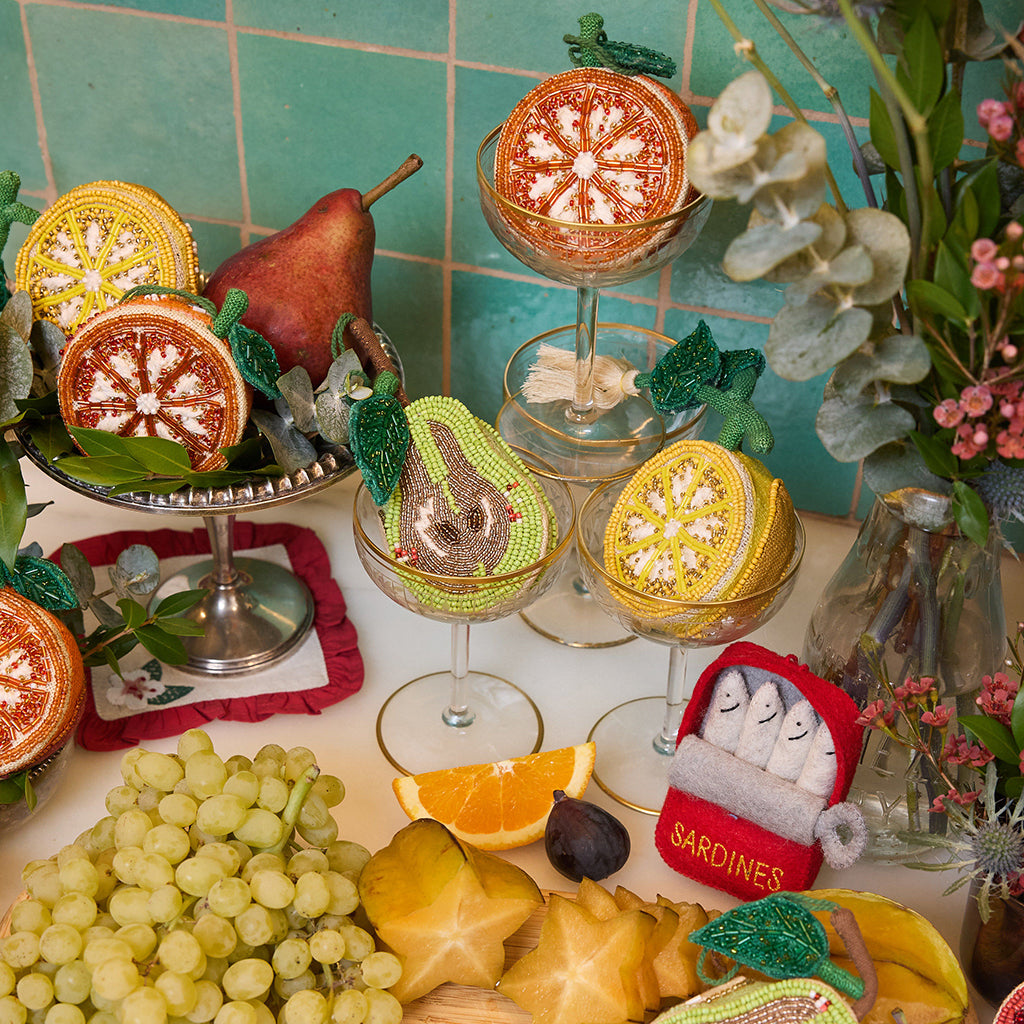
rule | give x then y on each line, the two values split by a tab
832	95
746	48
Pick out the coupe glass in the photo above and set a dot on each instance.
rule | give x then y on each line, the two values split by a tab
458	716
588	257
636	740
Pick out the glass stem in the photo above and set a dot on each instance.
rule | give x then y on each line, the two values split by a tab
582	408
458	713
675	702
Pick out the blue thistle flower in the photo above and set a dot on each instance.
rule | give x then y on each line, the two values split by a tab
1001	488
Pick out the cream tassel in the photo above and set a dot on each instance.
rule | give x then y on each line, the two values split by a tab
553	378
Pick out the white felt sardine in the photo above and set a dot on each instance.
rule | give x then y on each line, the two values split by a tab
761	725
818	774
794	742
724	718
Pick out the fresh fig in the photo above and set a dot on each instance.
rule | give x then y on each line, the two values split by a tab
583	840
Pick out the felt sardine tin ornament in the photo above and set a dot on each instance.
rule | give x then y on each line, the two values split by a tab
749	828
724	720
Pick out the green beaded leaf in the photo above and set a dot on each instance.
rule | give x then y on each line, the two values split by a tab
693	361
736	362
256	359
379	440
41	581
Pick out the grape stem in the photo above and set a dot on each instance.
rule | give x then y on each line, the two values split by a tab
290	814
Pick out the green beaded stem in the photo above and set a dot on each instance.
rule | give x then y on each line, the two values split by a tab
593	49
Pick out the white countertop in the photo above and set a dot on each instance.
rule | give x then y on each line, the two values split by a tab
572	687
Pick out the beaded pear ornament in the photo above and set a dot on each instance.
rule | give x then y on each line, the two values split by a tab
458	506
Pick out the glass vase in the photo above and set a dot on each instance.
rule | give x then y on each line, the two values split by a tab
913	597
992	951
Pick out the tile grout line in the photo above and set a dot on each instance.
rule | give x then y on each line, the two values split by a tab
236	102
449	205
37	105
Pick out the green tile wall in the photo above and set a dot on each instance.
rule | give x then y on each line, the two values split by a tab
242	113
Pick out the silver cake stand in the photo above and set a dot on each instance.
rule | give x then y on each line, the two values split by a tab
254	612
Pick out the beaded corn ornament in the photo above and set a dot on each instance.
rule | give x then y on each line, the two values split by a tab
457	505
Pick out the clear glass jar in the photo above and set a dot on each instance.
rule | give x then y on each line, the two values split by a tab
45	778
915	596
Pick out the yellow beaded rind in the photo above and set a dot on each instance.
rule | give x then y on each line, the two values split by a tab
790	1001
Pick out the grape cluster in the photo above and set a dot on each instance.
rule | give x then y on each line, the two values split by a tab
213	891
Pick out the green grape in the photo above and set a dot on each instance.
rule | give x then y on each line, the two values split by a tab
330	789
291	958
128	905
381	969
237	763
209	1000
125	862
260	828
152	871
344	894
263	861
196	875
44	884
101	835
296	761
254	925
327	946
12	1011
320	837
31	916
263	1012
306	1007
178	809
149	799
229	896
312	894
273	794
161	771
304	861
168	841
72	982
131	828
343	856
248	979
35	990
205	773
224	853
103	1017
179	992
221	814
237	1011
7	979
244	852
80	876
140	937
75	909
358	941
314	812
64	1013
71	852
164	904
192	740
245	785
272	752
285	988
60	944
115	978
349	1007
384	1008
143	1006
216	936
215	968
20	949
180	951
100	949
272	889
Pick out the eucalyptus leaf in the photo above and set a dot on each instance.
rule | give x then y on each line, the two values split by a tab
17	313
741	114
796	179
13	504
15	372
292	450
345	362
136	572
887	241
332	412
853	430
899	358
750	255
78	570
808	340
899	465
297	390
826	246
850	267
47	340
105	614
718	173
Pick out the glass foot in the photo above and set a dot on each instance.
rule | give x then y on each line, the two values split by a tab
629	768
414	737
568	614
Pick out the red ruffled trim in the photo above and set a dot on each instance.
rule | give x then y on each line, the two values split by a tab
336	633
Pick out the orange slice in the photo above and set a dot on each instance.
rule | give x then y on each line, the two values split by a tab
153	367
42	682
97	241
499	805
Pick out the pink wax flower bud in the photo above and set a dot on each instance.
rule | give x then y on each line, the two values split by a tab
987	109
984	250
1000	128
1014	230
985	276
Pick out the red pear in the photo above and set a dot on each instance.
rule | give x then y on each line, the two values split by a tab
301	279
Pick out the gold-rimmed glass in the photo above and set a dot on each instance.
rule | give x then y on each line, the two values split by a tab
456	715
636	739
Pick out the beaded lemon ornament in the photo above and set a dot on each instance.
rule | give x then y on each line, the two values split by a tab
458	506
